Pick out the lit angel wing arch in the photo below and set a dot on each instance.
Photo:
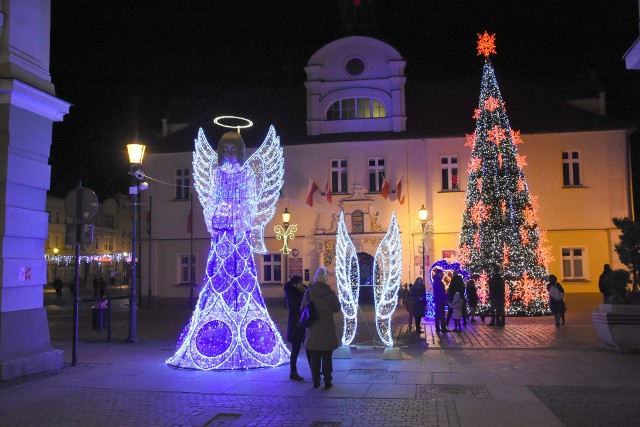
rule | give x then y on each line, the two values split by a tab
268	167
205	162
387	274
348	279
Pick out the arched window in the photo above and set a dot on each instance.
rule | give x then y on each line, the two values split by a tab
356	108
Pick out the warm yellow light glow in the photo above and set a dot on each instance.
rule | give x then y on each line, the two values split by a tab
423	213
136	153
55	251
286	216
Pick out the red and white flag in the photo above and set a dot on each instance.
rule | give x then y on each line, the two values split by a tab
311	188
384	191
399	192
327	191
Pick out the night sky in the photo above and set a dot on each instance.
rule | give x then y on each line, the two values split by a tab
120	62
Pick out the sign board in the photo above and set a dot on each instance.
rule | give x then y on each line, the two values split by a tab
24	273
295	266
81	205
86	234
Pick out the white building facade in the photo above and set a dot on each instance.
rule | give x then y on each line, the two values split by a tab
360	130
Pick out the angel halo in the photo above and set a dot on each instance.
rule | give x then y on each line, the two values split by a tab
230	327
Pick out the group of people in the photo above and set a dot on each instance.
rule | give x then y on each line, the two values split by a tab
320	338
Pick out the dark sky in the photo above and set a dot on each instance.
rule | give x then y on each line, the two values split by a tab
120	62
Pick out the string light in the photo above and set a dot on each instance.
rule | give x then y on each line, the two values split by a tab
348	281
387	275
230	327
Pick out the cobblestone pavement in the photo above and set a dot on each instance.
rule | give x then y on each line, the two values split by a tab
528	373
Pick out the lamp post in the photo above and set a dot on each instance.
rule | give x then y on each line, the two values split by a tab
285	232
55	263
136	154
423	213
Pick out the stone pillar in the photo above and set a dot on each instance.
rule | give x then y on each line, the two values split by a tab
28	108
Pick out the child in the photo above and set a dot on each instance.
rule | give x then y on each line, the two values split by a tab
456	308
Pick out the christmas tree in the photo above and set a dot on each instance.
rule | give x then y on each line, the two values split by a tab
499	224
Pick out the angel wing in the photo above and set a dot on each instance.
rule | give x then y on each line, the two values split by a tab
205	162
267	164
387	272
348	278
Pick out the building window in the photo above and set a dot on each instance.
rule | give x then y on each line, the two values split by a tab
272	268
107	244
357	221
339	176
573	261
187	270
109	221
356	108
571	169
376	174
57	217
182	184
449	169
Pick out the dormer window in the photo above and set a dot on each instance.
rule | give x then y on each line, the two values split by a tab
356	108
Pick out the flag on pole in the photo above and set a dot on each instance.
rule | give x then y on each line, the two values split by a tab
384	191
311	189
327	191
399	192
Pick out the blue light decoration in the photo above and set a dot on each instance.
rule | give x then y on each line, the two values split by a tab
230	327
348	281
448	269
387	275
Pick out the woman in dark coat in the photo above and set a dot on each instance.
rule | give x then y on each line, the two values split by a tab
321	337
294	291
418	295
472	296
457	285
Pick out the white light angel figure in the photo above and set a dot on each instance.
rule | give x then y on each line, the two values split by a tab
230	327
348	280
387	274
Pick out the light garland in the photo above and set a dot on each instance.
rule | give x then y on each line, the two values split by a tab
230	327
499	224
348	281
99	258
387	275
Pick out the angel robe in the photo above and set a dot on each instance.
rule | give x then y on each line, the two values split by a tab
230	327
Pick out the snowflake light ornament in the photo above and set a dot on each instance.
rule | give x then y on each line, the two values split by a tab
486	44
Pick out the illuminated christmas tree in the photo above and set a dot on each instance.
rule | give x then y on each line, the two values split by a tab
499	224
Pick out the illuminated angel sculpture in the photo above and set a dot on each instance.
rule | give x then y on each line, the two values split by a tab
387	274
230	327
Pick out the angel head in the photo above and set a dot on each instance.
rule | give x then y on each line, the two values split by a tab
231	149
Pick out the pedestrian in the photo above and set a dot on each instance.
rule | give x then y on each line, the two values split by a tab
96	282
472	296
408	305
57	284
456	285
418	296
321	337
456	309
602	282
294	291
439	300
556	299
102	287
496	297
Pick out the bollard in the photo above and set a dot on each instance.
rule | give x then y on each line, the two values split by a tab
97	318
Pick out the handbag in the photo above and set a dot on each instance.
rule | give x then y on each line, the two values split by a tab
309	315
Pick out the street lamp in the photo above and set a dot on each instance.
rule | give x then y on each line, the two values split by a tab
285	232
55	264
136	154
423	213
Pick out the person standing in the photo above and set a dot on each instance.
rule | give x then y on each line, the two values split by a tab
418	296
456	285
496	296
456	311
57	284
556	299
472	296
294	291
321	337
439	300
602	282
